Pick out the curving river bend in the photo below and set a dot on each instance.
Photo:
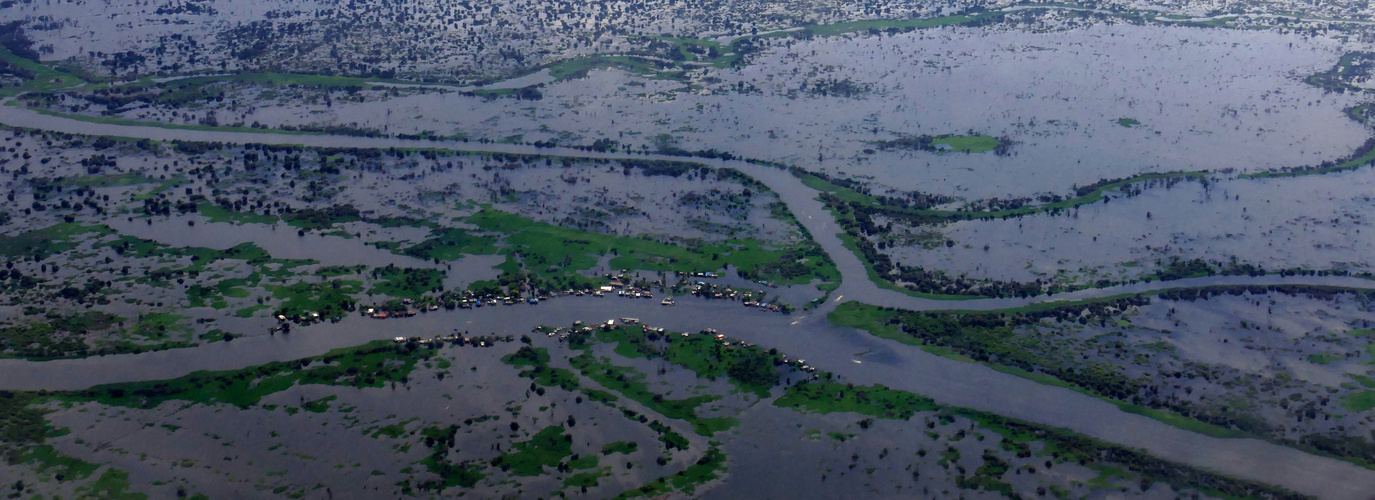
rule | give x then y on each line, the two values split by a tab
856	355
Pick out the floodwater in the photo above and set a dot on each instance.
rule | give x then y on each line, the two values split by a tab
807	336
282	242
1204	99
1316	222
279	240
1283	355
850	353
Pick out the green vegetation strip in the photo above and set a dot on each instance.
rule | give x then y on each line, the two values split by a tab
750	369
968	143
556	253
630	383
370	365
711	466
875	400
1084	195
1363	156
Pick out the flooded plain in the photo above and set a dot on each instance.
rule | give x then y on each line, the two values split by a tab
1312	223
527	289
490	412
1076	105
807	335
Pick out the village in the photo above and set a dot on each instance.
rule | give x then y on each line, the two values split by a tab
622	285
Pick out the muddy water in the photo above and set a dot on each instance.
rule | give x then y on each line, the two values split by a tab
800	199
279	240
851	353
848	352
1310	222
282	242
1204	99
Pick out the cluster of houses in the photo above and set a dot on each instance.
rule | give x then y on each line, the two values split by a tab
455	339
800	364
619	285
580	328
624	284
376	313
305	319
748	298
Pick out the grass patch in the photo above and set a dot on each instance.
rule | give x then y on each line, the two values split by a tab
370	365
546	449
113	484
250	311
709	467
216	213
623	447
584	479
405	282
556	253
874	400
1359	401
750	369
578	68
331	299
320	405
1323	359
43	77
1084	195
1183	422
49	241
541	373
630	383
59	337
1365	381
451	244
967	143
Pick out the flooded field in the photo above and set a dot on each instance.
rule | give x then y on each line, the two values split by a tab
1310	223
415	40
1285	363
1069	104
172	247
